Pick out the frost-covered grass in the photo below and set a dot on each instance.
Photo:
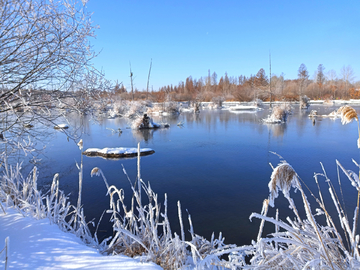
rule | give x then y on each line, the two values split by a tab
304	242
142	229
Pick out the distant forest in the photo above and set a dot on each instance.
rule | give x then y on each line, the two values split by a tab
322	85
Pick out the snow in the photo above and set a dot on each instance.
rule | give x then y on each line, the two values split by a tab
187	110
244	107
35	244
61	126
117	150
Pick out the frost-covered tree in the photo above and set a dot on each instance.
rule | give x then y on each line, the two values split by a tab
44	56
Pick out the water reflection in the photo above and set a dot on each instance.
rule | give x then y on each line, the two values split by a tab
277	130
144	134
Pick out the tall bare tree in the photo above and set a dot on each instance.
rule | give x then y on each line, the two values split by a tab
147	86
303	77
347	76
320	78
331	77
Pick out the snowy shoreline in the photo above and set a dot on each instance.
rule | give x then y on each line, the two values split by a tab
37	244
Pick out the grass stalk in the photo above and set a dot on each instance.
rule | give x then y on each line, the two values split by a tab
7	247
358	196
78	207
312	220
2	208
264	213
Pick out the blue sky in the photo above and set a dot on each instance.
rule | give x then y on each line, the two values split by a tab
187	38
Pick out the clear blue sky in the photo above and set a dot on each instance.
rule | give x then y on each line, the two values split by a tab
187	38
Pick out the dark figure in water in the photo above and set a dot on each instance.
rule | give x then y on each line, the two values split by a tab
146	121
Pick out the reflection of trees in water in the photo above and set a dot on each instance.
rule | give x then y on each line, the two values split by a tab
171	119
37	137
327	122
211	119
25	143
80	124
302	120
147	134
143	134
277	130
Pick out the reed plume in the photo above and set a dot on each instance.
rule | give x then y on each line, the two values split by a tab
283	177
347	114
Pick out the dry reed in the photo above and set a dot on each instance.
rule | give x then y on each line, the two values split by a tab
283	177
347	114
6	251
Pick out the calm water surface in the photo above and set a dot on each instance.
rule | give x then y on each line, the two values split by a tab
217	165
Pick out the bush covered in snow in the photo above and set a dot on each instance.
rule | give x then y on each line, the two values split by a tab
279	114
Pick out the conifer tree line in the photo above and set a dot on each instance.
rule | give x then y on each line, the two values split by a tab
326	85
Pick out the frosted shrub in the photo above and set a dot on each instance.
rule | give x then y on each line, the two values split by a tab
172	107
217	102
134	109
169	107
137	122
157	108
119	107
279	114
258	102
304	102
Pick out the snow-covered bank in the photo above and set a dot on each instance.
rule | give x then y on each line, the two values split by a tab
35	244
